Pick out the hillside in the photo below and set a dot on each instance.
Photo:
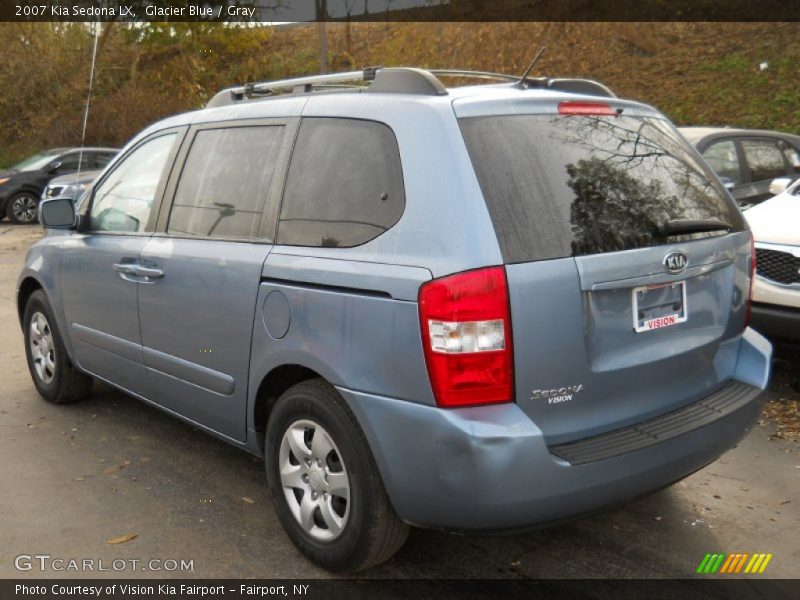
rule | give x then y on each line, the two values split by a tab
698	73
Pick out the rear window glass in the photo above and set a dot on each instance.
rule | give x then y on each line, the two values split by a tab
559	186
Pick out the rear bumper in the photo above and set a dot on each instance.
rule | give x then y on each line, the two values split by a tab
775	321
489	468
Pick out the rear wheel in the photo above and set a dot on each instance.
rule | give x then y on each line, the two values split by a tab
54	376
324	483
23	208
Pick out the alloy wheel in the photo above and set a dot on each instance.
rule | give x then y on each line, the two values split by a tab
24	208
43	350
314	480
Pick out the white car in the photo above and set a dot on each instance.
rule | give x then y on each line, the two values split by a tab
776	288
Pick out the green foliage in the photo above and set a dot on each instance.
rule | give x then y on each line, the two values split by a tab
698	73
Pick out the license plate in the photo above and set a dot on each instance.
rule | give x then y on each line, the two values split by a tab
659	306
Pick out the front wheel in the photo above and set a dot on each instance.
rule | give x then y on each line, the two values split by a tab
324	483
54	376
23	208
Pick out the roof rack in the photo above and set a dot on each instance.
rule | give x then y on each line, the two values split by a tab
396	80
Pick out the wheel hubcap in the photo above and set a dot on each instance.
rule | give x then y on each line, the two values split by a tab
43	350
314	480
24	208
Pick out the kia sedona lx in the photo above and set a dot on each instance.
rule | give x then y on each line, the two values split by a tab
490	307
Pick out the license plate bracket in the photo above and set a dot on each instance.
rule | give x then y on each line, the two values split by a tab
658	306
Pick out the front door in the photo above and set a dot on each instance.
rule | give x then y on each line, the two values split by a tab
101	273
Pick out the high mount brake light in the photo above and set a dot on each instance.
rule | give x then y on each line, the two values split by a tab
587	109
466	334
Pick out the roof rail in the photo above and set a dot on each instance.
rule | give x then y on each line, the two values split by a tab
397	80
575	86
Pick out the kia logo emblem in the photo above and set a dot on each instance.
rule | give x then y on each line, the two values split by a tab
675	262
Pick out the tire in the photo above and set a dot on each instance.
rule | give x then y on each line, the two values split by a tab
23	208
370	531
53	374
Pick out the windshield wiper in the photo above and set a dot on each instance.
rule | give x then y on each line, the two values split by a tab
685	226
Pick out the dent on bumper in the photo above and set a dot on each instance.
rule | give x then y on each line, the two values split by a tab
489	468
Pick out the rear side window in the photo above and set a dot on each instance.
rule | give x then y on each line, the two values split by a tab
724	160
224	183
791	155
764	159
102	159
559	186
344	186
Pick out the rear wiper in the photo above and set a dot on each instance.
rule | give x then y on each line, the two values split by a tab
683	226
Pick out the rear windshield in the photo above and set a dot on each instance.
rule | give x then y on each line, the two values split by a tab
559	186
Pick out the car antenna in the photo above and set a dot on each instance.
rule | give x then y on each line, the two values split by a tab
95	30
521	82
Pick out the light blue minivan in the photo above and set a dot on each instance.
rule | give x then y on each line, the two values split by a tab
490	307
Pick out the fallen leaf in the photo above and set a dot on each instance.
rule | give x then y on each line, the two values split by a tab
784	502
248	500
114	468
123	538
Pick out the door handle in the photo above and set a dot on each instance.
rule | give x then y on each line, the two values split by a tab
124	268
130	271
148	272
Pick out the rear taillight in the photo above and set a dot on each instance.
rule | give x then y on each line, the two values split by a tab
466	333
752	277
586	108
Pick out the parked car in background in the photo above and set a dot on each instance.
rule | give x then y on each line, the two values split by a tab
22	185
70	186
747	160
469	308
775	224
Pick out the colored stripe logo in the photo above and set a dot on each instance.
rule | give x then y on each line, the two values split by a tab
739	562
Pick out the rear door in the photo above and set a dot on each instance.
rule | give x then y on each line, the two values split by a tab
614	321
99	280
197	310
764	161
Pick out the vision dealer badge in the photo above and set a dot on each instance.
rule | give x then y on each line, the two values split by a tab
557	395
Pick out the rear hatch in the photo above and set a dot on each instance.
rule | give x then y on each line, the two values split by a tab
627	297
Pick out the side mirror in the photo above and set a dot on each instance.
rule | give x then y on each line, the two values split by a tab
57	213
778	186
54	167
728	183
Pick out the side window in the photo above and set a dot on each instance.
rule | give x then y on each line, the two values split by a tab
69	163
722	158
224	183
124	200
345	184
101	160
764	159
792	156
